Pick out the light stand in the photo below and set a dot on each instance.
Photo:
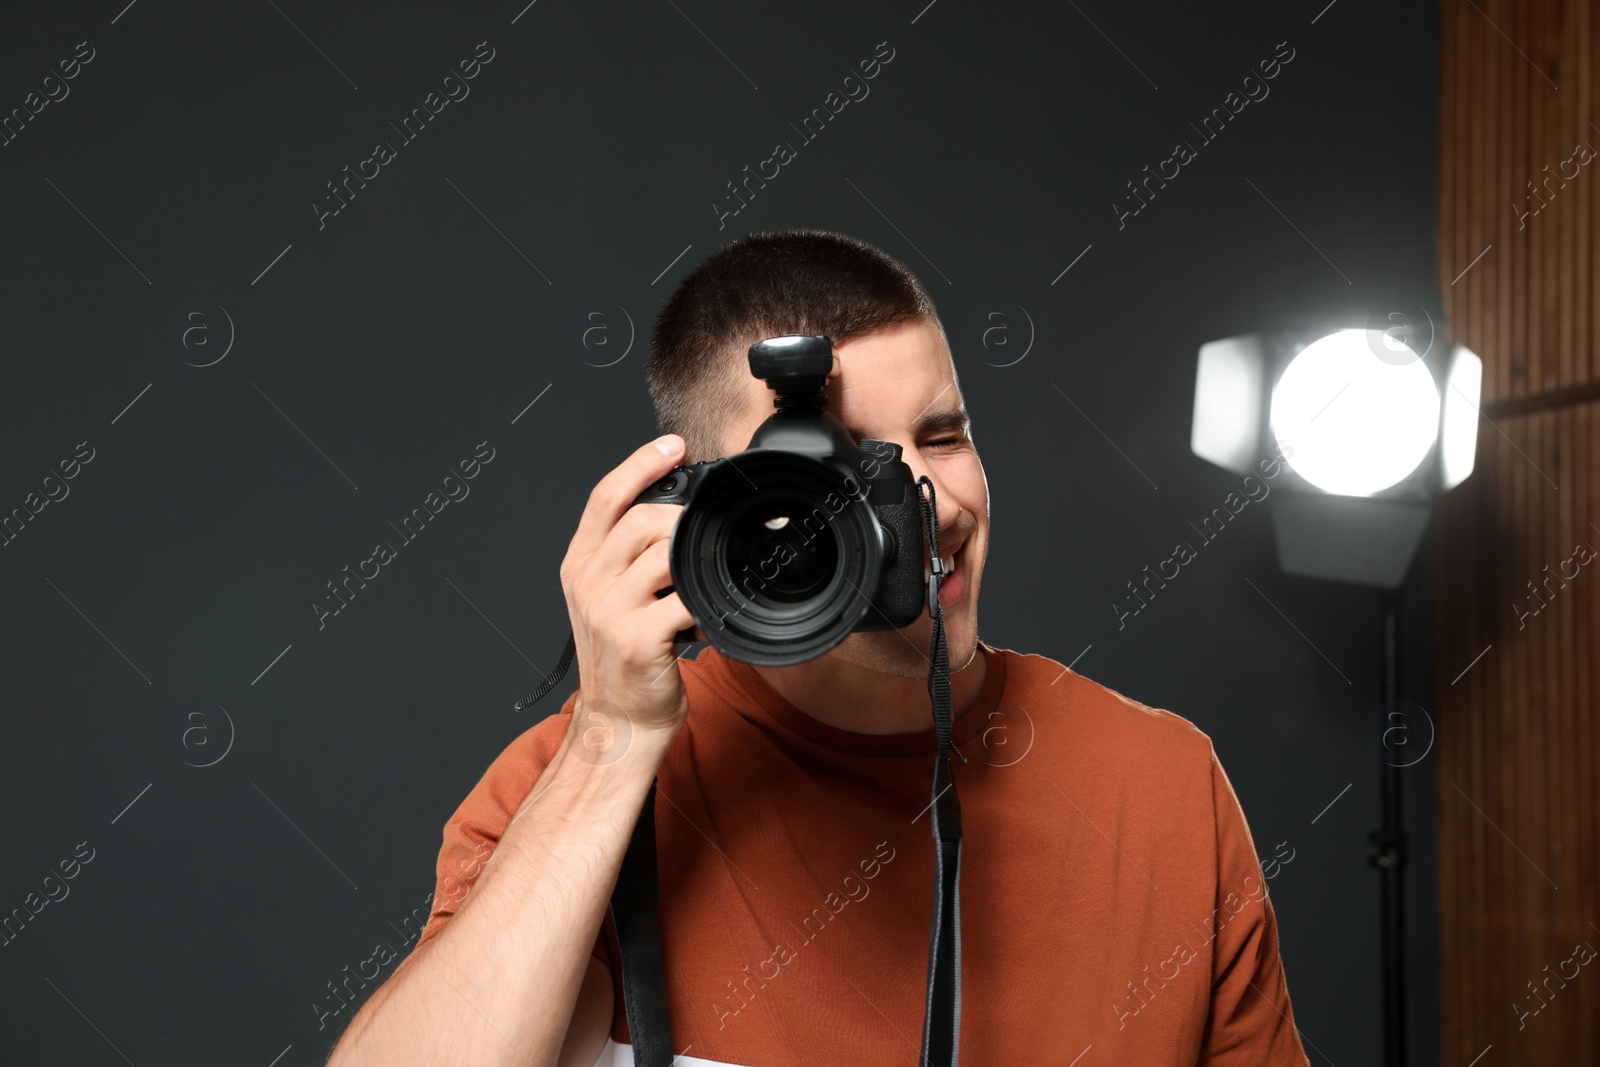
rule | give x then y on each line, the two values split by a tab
1389	849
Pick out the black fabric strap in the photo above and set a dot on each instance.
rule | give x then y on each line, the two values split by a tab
551	679
941	1027
636	912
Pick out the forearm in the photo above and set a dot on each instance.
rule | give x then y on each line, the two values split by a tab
498	983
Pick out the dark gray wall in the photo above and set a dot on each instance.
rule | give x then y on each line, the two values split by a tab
165	606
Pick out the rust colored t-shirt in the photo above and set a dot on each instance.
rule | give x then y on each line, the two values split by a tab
1112	904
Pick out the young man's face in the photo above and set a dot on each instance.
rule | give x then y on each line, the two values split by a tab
898	384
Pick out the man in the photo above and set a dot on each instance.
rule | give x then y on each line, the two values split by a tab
1113	907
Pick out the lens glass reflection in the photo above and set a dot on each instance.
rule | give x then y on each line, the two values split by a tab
780	555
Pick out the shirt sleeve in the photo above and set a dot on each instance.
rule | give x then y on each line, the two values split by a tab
473	832
1251	1023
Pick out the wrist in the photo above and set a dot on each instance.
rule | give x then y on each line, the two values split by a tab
600	763
603	734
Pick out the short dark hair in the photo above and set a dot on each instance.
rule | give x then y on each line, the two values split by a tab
766	285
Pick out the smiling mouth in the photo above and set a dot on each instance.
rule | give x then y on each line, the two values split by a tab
946	558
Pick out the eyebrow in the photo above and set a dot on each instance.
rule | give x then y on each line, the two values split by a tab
944	419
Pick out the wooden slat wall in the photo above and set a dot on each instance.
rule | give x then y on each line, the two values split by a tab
1519	771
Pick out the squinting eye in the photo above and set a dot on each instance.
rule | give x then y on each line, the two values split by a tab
946	442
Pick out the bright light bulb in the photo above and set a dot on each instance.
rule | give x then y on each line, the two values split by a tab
1350	422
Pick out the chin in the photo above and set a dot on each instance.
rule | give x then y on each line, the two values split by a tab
904	652
961	639
891	652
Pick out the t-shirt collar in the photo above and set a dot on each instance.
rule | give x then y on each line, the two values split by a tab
759	702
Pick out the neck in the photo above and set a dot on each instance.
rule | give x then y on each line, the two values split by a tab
860	699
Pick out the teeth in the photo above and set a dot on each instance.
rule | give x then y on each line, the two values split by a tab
946	562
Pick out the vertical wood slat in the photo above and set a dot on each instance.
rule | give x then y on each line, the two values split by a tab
1519	733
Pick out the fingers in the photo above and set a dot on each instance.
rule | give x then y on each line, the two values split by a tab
636	586
619	557
636	590
642	526
669	615
617	490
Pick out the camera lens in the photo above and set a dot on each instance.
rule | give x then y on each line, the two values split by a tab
777	556
769	541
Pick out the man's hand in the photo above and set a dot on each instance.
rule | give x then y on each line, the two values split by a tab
616	562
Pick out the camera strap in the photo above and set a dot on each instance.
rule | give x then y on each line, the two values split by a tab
636	914
636	898
941	1027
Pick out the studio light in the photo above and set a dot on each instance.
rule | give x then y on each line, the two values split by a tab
1371	423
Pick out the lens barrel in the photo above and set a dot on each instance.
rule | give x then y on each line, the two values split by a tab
777	556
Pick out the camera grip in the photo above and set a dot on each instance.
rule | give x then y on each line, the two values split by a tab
672	488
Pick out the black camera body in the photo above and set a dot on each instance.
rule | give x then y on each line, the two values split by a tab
807	536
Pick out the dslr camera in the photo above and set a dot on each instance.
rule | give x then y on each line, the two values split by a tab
806	536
